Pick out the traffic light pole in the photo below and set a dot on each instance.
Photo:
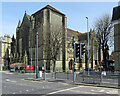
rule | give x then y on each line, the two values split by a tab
74	65
74	72
88	45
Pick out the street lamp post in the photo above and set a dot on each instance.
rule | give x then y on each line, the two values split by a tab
37	54
31	42
88	44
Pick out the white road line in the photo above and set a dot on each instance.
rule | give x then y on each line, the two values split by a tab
112	92
101	90
14	93
50	82
7	79
83	92
27	90
63	90
13	81
9	73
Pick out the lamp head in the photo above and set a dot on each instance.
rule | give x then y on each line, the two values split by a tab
86	17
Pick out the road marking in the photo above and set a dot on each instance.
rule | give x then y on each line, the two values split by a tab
83	92
14	93
101	90
13	81
112	92
9	73
92	90
27	90
32	89
63	90
7	79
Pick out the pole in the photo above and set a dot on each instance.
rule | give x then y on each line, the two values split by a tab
31	57
37	54
74	66
88	44
31	44
35	59
101	60
74	72
44	71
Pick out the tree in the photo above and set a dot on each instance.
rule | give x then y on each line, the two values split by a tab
54	44
104	31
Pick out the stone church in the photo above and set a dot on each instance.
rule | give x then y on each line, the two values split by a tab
51	26
48	22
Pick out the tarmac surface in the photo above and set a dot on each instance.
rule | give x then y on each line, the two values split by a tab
27	84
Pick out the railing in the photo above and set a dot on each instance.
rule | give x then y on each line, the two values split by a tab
110	78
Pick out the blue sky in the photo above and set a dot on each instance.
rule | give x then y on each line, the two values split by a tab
75	12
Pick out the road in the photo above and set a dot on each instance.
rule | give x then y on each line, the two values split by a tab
16	84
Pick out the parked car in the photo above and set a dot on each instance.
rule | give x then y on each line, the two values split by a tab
12	70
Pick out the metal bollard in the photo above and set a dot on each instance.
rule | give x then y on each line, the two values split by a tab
101	77
67	75
73	77
44	75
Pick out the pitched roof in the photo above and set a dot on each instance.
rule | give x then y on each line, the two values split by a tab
116	13
28	16
49	7
74	32
77	33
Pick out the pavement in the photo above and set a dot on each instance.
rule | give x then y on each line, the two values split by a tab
105	85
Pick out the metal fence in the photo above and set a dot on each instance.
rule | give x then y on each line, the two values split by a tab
109	78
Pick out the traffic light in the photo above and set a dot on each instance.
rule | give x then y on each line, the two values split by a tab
76	50
82	50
